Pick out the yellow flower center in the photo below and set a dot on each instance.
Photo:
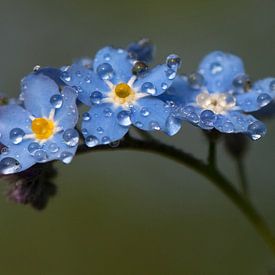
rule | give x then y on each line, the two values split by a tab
43	128
123	94
123	90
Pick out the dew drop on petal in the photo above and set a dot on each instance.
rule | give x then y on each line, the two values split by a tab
228	127
148	88
100	130
96	97
107	112
256	130
86	116
173	61
144	112
272	86
65	76
207	117
40	155
33	146
114	144
66	157
171	74
9	165
164	86
123	118
53	147
91	141
196	80
105	71
56	101
216	68
105	140
153	125
263	99
71	137
16	135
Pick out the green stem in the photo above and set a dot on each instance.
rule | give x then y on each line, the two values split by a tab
210	172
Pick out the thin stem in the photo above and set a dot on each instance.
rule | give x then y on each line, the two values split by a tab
242	177
200	167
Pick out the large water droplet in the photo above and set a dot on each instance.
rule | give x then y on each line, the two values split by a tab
105	140
139	68
9	165
228	127
148	88
71	137
173	61
123	118
164	86
56	101
66	157
16	135
207	117
216	68
96	97
105	71
173	125
53	147
171	74
263	99
40	155
242	81
33	146
196	80
91	141
256	130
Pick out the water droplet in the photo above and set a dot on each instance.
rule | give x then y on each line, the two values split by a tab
96	97
5	150
65	76
144	112
33	146
256	130
105	140
16	135
139	68
100	130
78	74
153	125
139	124
173	61
105	71
171	74
149	88
53	147
173	125
91	141
56	101
193	117
66	157
40	155
164	86
9	165
242	81
263	99
216	68
207	117
228	127
86	116
123	118
71	137
36	68
107	112
196	80
107	57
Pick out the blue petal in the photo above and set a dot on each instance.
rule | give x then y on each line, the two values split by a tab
67	114
20	154
37	91
143	50
219	70
13	116
151	114
180	92
103	126
259	96
234	122
52	73
119	60
85	81
161	77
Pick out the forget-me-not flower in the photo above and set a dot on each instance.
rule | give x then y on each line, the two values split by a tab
219	95
122	91
43	130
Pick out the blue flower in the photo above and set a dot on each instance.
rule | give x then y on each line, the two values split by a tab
220	94
121	92
43	130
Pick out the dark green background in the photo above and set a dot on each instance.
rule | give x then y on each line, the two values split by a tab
131	213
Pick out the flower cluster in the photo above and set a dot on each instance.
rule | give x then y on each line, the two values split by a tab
122	90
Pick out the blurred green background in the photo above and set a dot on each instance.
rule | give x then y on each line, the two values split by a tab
132	213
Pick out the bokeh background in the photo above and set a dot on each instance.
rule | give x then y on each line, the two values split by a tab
132	213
